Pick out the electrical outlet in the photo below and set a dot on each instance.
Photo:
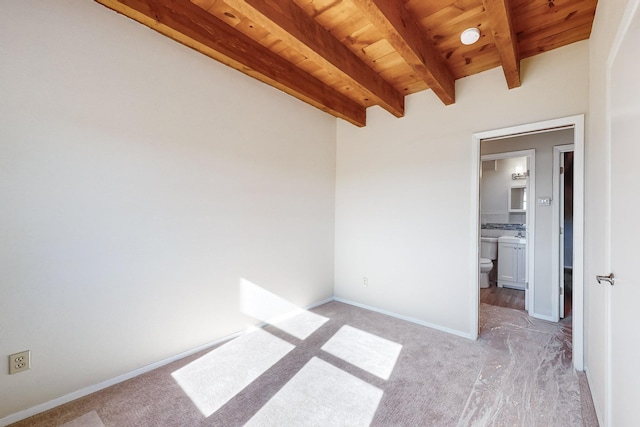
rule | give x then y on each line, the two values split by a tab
365	281
19	362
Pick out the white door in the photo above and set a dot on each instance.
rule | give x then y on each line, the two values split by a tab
559	174
624	296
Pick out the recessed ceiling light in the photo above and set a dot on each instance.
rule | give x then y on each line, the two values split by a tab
470	36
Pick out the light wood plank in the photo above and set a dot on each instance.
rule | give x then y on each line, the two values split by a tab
192	26
422	8
504	36
503	297
287	21
323	51
545	42
405	35
450	16
558	20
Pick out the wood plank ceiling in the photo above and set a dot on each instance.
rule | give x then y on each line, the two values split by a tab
343	56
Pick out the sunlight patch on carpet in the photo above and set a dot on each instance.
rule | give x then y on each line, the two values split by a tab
367	351
320	395
215	378
270	308
90	419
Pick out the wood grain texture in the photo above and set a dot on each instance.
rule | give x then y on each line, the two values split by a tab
344	56
503	297
403	32
288	22
191	25
504	35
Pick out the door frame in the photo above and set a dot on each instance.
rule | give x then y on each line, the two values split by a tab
530	216
571	122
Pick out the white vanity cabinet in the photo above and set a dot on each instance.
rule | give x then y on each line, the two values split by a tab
512	262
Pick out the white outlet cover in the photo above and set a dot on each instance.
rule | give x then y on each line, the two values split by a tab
19	362
544	201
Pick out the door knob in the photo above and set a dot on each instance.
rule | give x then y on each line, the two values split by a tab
608	278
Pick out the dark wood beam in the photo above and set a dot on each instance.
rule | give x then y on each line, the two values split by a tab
504	35
287	21
406	36
192	26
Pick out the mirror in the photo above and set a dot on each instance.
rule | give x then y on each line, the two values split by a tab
518	199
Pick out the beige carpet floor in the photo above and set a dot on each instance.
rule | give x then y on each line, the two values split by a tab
362	368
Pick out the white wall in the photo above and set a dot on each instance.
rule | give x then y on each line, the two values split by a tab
543	144
403	191
494	189
139	182
608	17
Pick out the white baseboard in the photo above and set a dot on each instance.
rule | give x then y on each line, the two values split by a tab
319	303
407	318
19	416
543	317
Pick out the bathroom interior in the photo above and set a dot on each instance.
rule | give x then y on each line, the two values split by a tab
503	242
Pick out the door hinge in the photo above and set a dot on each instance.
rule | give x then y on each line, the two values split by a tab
561	290
561	170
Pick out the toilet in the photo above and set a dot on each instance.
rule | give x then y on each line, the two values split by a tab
488	254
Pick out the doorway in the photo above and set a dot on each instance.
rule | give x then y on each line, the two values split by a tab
538	301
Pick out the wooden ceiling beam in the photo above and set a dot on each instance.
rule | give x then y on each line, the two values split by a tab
504	35
404	33
287	21
192	26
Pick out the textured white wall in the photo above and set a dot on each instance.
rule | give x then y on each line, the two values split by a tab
403	192
139	182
